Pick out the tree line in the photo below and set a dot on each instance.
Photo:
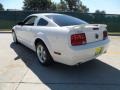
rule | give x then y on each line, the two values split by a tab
1	7
48	5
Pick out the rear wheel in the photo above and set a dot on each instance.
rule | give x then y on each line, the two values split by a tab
14	37
43	54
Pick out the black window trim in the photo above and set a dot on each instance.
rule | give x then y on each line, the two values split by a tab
44	20
28	18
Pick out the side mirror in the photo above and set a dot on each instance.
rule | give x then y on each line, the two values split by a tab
20	23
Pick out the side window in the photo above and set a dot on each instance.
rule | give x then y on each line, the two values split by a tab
42	22
30	21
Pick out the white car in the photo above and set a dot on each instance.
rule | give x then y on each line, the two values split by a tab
61	38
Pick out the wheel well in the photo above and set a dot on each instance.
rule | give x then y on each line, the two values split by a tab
39	40
12	30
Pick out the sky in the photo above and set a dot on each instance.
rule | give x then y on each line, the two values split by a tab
110	6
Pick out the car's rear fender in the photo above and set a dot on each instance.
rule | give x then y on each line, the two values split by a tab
41	36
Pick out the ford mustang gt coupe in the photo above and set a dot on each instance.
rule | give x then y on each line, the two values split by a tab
61	38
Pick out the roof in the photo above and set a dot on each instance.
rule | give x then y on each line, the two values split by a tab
43	14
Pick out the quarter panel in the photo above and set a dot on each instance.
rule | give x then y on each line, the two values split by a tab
55	38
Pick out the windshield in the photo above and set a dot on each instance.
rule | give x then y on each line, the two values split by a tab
65	20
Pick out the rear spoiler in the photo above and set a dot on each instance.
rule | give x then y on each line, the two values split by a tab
87	26
99	25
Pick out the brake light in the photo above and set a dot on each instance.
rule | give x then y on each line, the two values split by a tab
105	35
78	39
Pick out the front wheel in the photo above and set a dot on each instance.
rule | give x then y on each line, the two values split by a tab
43	54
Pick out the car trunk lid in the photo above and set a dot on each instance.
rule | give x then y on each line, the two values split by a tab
93	32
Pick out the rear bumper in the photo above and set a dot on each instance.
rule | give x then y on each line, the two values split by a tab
81	54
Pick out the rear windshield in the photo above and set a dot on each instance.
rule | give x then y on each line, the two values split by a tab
65	20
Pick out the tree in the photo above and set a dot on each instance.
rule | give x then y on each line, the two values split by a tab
37	5
84	9
71	3
100	12
76	5
99	16
63	5
1	7
53	6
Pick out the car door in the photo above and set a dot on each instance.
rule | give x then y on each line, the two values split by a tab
26	30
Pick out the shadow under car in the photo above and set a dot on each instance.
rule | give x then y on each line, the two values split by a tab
92	75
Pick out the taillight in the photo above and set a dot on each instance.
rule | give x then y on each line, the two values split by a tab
105	35
78	39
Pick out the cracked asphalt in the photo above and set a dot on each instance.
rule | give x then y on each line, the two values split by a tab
20	70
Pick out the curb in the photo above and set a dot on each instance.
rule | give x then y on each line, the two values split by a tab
114	34
5	31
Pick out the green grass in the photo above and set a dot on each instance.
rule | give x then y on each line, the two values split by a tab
7	24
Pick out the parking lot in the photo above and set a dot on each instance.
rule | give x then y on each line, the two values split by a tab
20	70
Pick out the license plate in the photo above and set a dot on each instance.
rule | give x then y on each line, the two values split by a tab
98	50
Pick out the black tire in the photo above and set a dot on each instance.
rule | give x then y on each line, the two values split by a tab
14	37
43	54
